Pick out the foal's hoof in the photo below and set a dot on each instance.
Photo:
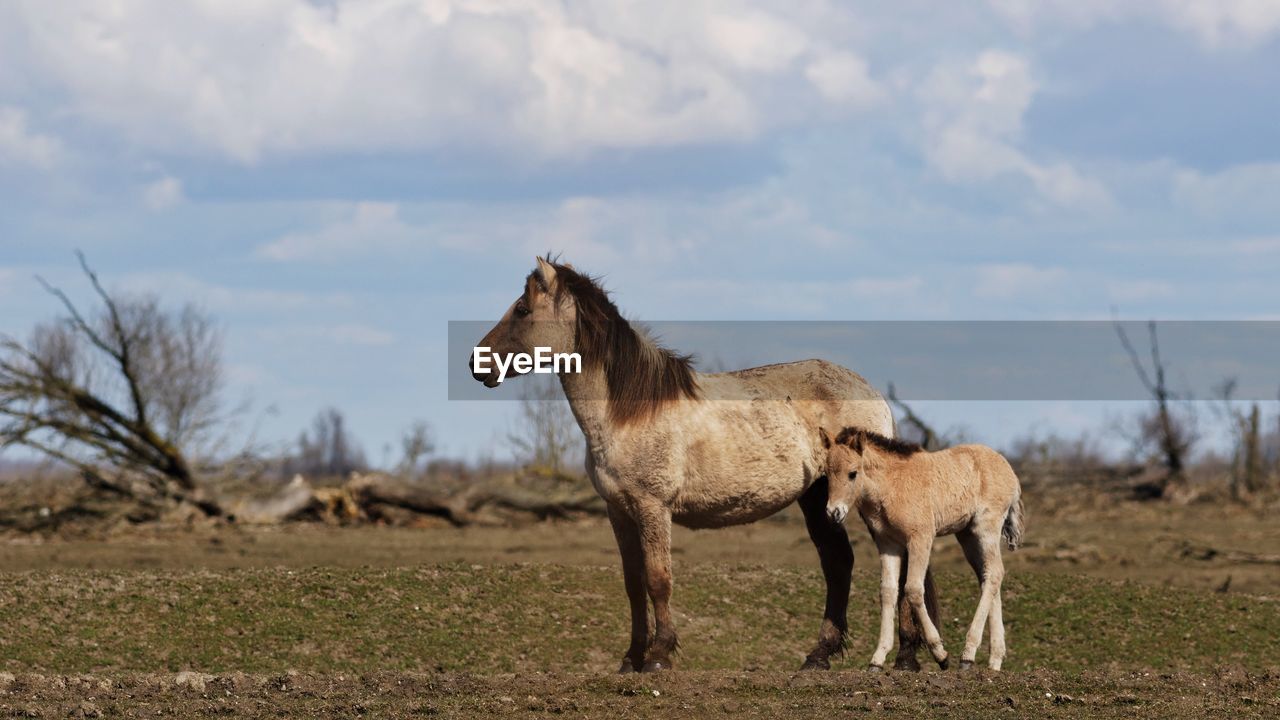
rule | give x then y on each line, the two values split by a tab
655	666
875	668
944	663
815	663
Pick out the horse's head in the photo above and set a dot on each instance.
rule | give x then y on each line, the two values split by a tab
844	462
544	316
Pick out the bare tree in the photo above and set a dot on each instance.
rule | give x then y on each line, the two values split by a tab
546	436
1247	471
1171	434
920	430
327	450
415	444
125	395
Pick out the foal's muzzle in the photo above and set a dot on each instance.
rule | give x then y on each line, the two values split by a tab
838	512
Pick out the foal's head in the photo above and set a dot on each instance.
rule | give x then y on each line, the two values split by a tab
848	463
845	460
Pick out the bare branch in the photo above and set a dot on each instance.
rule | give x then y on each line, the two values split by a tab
63	391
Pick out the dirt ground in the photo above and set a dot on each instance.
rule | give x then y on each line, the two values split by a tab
1198	546
1229	693
1114	609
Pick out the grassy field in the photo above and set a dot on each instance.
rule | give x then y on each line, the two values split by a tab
1108	614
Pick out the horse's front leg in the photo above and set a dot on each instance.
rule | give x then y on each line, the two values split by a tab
890	569
836	556
627	534
653	520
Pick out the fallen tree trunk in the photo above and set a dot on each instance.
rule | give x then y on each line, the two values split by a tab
383	498
371	491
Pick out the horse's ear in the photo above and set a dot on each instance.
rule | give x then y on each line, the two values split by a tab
826	439
547	272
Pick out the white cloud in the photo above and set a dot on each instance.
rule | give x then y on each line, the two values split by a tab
372	226
342	334
1240	188
1138	290
1005	281
163	193
973	122
247	80
1216	24
19	145
755	40
843	77
888	287
180	287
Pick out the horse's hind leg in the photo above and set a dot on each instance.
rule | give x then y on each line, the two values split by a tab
628	537
832	542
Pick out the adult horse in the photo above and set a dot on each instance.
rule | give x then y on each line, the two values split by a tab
667	444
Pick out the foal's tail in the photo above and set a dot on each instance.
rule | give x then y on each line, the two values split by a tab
1013	523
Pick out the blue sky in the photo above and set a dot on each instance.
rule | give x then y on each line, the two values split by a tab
337	180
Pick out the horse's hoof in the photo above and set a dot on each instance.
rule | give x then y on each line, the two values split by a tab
907	663
814	663
875	668
966	665
626	667
655	666
944	663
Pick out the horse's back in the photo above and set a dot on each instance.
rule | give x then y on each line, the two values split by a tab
825	394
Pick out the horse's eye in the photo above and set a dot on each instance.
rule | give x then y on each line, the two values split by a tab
521	309
853	474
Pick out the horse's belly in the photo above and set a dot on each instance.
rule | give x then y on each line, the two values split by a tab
695	508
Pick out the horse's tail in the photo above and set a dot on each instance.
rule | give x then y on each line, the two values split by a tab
1013	522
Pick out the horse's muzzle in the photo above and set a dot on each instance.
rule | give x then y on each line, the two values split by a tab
490	379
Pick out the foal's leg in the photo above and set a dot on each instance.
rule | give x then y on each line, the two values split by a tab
654	523
919	549
909	637
996	578
628	537
890	569
985	543
973	553
836	556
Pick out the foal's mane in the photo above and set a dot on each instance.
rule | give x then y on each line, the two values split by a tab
640	374
857	437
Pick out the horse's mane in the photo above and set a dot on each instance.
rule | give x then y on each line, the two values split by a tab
856	437
640	374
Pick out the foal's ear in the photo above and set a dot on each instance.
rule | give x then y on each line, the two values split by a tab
826	439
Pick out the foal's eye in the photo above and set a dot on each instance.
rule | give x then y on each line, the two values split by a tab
853	474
